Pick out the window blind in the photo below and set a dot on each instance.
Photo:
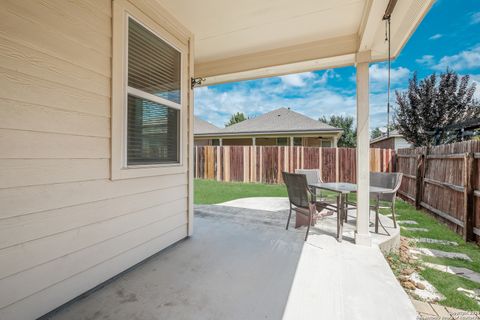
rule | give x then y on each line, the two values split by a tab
153	128
153	65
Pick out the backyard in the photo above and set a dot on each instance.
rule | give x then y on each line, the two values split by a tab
416	226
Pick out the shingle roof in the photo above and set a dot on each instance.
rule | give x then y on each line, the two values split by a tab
279	120
204	127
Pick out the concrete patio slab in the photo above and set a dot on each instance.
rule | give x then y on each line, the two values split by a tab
243	264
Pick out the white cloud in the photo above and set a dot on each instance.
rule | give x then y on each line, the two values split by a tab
476	79
379	72
427	60
475	18
436	36
464	60
298	79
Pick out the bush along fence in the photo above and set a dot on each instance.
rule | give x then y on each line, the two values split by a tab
265	164
445	181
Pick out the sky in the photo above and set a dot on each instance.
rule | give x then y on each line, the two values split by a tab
449	36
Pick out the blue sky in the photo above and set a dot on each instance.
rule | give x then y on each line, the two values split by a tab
449	36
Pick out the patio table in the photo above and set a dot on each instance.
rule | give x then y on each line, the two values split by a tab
343	189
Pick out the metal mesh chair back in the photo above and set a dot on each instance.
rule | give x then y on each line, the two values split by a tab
297	189
313	175
386	180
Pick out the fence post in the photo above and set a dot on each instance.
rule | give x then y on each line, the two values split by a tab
419	180
468	197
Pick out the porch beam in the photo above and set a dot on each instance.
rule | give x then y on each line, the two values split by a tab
362	235
371	20
328	48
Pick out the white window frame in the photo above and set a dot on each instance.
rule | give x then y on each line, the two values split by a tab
123	11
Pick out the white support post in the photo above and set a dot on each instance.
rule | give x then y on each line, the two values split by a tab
220	142
254	141
362	235
291	141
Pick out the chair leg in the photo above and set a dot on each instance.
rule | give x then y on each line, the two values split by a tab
346	208
289	216
310	214
377	218
393	216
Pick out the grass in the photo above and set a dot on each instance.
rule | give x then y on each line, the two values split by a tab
211	192
445	283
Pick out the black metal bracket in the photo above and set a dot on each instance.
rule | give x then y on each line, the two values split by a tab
195	82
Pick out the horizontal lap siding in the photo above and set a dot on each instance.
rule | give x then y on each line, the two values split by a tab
65	227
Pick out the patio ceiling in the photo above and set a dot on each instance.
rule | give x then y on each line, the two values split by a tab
237	40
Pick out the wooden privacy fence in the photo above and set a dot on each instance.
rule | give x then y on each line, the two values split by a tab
446	182
265	163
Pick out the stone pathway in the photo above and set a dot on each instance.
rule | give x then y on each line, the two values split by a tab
436	241
407	222
462	272
440	254
432	311
424	290
472	294
415	229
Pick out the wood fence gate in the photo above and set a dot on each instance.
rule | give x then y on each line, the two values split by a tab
445	180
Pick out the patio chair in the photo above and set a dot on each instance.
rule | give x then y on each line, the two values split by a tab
391	181
313	177
301	199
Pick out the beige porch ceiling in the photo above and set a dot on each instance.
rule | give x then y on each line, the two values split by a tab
237	40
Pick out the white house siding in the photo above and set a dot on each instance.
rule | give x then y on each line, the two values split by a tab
65	227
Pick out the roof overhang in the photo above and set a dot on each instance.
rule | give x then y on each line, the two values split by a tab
239	40
270	133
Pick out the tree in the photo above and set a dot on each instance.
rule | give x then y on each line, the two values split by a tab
236	118
429	105
376	133
349	136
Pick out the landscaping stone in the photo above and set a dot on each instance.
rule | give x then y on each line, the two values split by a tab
440	254
407	222
472	294
428	293
407	271
420	286
459	271
436	241
416	229
408	285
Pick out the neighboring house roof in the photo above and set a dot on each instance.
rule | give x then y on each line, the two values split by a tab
281	120
393	134
204	127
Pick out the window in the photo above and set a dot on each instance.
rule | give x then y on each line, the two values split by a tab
326	143
153	117
282	141
151	95
297	141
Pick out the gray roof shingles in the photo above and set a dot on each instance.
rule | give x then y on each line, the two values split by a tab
279	120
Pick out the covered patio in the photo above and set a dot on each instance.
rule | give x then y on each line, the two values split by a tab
96	133
242	264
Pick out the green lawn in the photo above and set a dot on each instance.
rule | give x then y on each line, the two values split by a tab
210	192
